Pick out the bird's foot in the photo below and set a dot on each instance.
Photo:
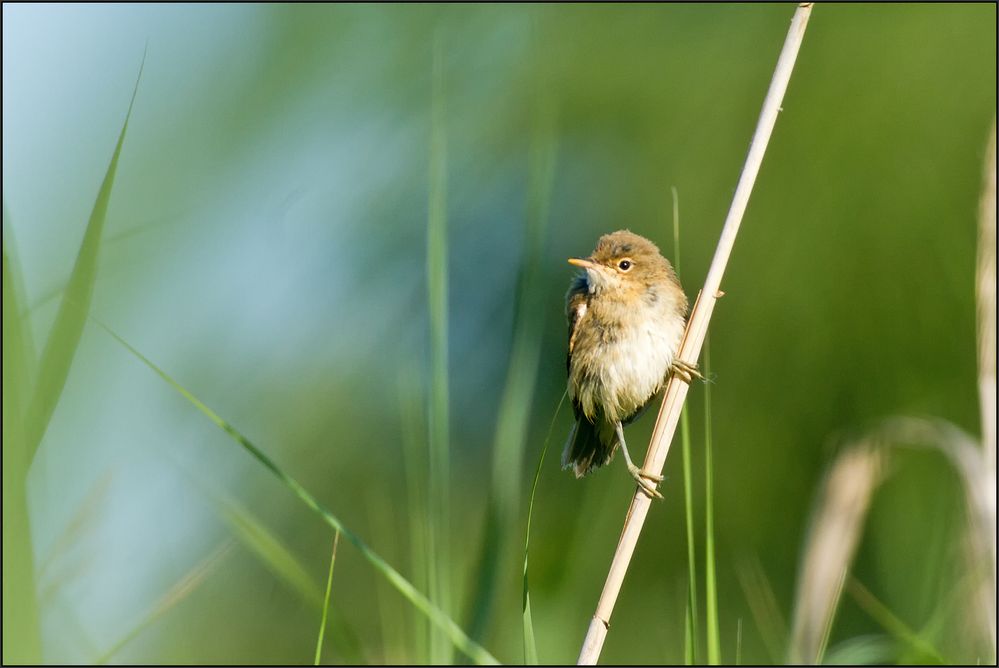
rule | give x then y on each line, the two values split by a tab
646	481
685	371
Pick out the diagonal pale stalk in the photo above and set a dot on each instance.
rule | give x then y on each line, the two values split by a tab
676	390
177	593
986	295
438	617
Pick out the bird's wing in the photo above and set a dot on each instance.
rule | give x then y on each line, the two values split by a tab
575	310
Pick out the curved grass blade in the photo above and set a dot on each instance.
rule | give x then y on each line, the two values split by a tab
437	616
64	338
326	601
530	647
261	541
21	632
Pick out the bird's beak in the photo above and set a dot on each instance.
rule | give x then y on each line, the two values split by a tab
580	262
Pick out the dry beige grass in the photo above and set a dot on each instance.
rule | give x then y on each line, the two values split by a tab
838	519
835	531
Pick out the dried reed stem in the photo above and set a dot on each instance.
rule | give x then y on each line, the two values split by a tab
836	527
676	390
986	293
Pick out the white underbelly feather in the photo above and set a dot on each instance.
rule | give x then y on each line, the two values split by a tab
631	368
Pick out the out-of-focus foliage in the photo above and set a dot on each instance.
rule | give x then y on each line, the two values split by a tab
265	244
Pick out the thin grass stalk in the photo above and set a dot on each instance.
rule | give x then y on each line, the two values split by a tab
690	616
326	601
437	297
513	417
710	583
676	390
414	450
530	646
690	621
763	606
738	642
382	516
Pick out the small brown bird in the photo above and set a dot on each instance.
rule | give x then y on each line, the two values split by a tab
627	314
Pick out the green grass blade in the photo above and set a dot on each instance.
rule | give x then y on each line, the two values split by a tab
437	616
262	542
759	594
689	638
690	621
383	515
530	647
437	298
177	593
713	635
513	416
866	650
64	338
326	601
690	625
414	448
21	631
890	622
518	393
738	642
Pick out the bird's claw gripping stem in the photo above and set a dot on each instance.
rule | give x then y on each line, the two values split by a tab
685	371
646	481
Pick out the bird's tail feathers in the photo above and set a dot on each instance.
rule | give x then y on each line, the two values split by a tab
588	446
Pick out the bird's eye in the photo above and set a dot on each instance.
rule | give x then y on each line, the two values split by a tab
624	265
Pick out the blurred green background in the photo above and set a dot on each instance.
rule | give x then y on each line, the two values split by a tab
266	245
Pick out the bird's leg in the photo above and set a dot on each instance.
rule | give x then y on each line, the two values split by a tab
641	476
685	371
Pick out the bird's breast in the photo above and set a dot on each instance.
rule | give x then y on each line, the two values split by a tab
622	358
